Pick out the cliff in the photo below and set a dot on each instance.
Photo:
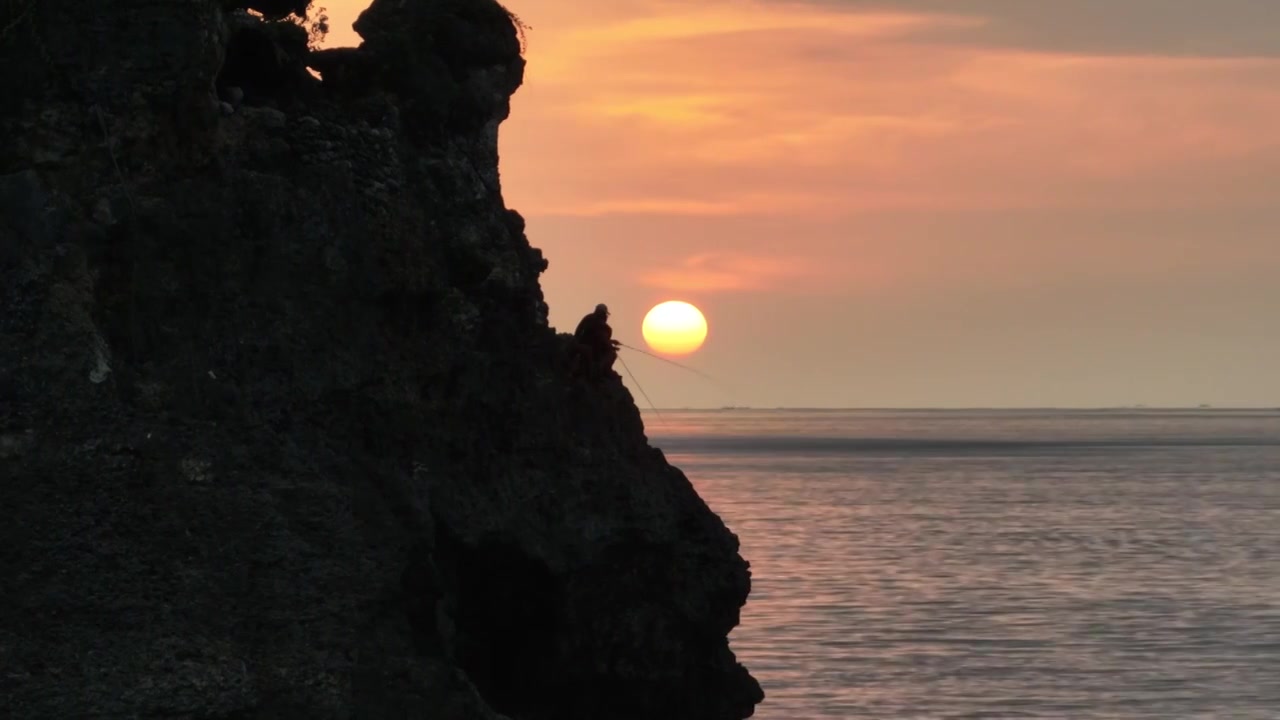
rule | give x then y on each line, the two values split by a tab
284	432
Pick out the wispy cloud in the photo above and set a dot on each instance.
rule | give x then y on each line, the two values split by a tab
719	272
750	107
1203	28
727	204
669	25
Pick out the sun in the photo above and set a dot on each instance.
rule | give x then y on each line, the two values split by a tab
674	328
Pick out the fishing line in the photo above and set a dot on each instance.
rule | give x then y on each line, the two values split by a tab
673	362
642	392
723	387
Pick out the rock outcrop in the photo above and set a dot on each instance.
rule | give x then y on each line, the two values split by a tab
284	432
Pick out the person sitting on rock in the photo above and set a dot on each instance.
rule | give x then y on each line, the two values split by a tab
595	350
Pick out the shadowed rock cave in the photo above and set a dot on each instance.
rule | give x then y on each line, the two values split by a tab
505	606
264	62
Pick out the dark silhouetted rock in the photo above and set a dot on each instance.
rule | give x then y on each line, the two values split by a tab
271	9
284	432
264	62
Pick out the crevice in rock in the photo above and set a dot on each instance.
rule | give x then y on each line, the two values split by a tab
422	592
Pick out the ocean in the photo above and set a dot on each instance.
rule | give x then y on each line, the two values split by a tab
1116	564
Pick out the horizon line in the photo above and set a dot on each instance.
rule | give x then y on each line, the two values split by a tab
965	408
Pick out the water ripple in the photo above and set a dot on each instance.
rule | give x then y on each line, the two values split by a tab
1137	583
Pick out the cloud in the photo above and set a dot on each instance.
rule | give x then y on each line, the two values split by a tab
672	25
1206	28
728	204
721	272
758	108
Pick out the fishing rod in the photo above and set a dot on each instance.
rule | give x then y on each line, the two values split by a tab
642	392
673	362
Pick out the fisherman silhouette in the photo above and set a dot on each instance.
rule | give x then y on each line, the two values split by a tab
595	350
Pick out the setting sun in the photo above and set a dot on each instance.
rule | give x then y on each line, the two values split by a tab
675	328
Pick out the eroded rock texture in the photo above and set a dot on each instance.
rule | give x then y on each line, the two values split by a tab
283	429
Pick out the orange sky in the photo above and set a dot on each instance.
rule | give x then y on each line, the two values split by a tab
913	202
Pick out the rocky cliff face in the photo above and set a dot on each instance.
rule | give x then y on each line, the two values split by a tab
283	429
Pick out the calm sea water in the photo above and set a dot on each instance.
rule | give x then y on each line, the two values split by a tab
1017	564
